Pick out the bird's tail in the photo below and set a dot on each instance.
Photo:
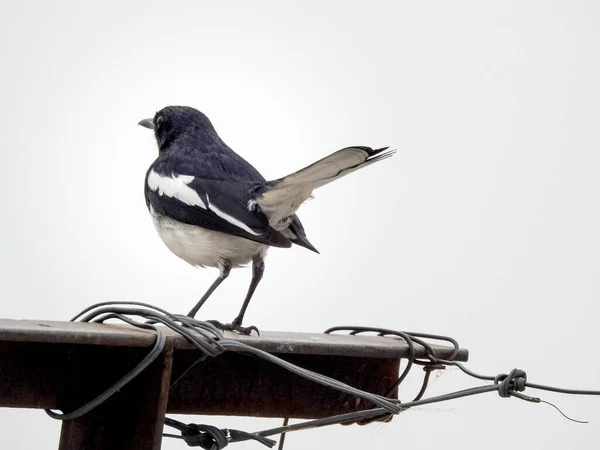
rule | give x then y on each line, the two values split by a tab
279	199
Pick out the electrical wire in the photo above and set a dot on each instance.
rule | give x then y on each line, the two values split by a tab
210	342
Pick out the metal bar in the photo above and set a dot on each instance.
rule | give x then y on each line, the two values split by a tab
65	376
236	384
273	342
133	418
62	365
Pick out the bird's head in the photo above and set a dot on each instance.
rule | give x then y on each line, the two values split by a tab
173	122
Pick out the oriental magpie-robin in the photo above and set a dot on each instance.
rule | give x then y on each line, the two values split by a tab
213	208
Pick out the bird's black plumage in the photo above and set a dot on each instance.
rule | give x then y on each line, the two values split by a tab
212	208
226	196
189	145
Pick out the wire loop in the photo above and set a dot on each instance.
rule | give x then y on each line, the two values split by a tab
210	341
515	381
212	438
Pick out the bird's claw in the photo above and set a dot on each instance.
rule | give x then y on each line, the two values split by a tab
238	328
242	330
235	327
217	324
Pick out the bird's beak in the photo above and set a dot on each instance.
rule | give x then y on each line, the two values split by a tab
147	123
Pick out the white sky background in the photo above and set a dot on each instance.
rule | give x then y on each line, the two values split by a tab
483	226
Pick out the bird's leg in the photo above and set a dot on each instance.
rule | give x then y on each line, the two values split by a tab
224	269
258	268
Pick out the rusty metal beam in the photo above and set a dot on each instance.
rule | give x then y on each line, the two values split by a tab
62	365
48	331
233	384
132	418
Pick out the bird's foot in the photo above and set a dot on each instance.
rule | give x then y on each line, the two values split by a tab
235	326
217	324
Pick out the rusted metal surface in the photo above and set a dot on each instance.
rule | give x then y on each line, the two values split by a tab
234	384
270	341
131	419
62	365
66	376
49	331
32	375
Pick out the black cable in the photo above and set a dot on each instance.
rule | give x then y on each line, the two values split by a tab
286	421
139	368
562	390
213	438
210	341
369	413
542	387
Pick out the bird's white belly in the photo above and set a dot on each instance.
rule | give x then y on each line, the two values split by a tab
202	247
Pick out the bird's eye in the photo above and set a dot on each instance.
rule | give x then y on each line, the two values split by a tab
159	120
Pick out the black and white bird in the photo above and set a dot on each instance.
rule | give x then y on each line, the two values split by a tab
214	209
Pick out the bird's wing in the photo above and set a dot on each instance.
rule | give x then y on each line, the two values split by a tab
212	204
279	199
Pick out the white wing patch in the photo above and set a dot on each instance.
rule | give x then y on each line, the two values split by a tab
175	187
232	220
